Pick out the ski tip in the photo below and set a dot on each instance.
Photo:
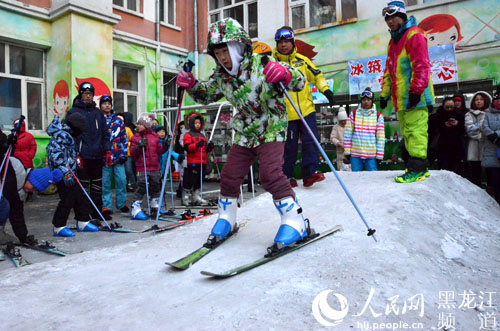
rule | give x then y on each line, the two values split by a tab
216	276
177	267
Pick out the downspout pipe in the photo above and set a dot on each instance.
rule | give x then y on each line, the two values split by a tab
195	9
159	103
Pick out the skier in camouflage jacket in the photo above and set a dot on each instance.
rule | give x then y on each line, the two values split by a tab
249	82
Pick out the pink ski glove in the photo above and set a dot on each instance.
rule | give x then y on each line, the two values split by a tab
275	73
185	79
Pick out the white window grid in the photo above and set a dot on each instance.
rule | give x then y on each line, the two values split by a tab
127	93
220	11
25	80
299	3
415	4
167	9
125	6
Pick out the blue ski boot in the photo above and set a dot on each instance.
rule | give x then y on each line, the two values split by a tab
63	231
226	221
86	227
155	206
137	213
293	225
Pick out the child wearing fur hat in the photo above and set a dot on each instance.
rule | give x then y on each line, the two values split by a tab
195	144
62	155
337	137
146	148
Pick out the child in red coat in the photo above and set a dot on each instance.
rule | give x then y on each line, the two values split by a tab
195	144
146	145
25	150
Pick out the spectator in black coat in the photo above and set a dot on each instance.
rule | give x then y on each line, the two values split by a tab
449	124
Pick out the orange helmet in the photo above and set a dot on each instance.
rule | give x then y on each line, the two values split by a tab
262	48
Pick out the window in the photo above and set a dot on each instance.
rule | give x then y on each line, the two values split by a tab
309	13
167	11
169	90
126	89
132	5
244	11
22	86
421	2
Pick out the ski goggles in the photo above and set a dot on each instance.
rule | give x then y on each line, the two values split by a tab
86	86
367	94
106	98
391	10
284	34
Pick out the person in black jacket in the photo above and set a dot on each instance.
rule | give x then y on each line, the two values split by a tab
93	145
450	126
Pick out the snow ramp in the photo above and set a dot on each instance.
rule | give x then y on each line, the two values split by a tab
435	266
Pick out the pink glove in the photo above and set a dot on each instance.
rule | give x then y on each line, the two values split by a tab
185	79
109	159
275	73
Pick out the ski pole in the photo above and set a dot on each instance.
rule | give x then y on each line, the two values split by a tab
146	178
9	150
187	67
251	180
371	232
90	199
201	174
171	186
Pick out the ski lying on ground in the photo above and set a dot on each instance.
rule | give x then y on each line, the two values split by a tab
187	261
157	229
209	206
14	254
273	256
115	227
45	247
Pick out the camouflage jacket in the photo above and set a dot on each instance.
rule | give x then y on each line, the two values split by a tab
262	114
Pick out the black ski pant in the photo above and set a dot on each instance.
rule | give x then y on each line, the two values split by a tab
16	214
91	178
192	179
70	198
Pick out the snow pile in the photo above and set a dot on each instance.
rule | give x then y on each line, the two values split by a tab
437	240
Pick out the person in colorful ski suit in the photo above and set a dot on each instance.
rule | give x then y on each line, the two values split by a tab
119	151
408	83
364	137
248	83
62	155
286	51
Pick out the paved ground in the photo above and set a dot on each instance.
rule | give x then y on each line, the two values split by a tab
38	215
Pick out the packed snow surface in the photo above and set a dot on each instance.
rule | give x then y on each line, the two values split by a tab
438	247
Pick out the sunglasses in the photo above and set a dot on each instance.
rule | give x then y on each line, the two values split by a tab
284	34
367	94
391	10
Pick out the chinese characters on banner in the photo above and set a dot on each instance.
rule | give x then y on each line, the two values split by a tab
369	72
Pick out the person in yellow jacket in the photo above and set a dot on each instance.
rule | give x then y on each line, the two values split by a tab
286	51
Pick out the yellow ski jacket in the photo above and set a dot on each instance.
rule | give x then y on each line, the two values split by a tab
303	99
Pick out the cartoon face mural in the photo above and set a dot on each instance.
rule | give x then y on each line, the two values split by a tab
100	87
61	98
441	29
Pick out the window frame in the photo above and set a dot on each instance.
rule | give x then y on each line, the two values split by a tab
420	4
128	10
233	4
126	93
298	3
25	80
165	14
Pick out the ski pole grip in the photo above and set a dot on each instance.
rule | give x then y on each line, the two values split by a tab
264	61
